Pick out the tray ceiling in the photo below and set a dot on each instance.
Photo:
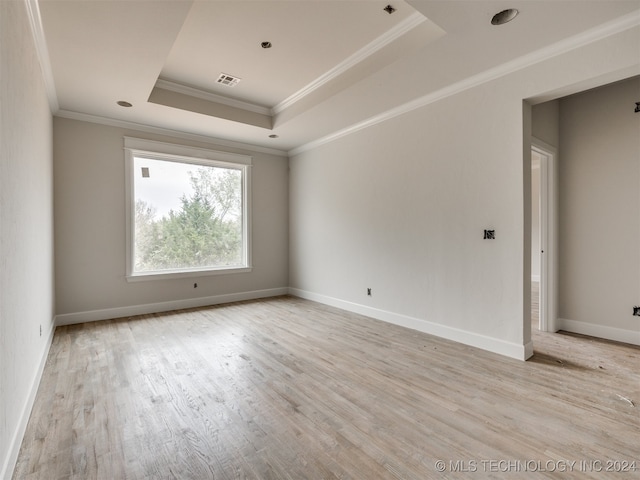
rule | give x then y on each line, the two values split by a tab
332	64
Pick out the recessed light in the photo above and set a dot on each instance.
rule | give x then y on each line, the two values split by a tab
273	136
266	45
504	16
122	103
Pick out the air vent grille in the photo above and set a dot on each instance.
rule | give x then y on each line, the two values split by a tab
228	80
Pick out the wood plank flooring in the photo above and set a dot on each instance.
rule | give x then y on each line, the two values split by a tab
290	389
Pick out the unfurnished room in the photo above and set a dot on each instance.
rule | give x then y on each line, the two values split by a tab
315	239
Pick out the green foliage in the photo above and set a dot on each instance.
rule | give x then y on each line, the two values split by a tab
206	231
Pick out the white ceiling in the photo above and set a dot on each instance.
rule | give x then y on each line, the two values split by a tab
333	63
308	38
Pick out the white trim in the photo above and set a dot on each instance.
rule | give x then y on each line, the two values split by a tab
548	234
600	331
172	275
535	278
501	347
16	439
181	151
37	30
129	212
602	31
120	312
211	97
543	229
111	122
379	43
528	350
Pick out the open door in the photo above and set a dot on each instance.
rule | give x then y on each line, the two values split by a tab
544	157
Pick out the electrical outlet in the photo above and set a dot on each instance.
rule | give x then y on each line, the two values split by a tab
195	285
40	330
636	311
368	291
489	234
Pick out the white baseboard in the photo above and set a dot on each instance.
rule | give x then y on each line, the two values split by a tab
119	312
16	439
600	331
528	350
513	350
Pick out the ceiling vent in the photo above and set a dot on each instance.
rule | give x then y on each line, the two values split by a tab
228	80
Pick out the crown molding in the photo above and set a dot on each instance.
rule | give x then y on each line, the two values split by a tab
382	41
211	97
595	34
37	30
84	117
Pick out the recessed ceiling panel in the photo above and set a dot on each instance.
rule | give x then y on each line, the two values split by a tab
308	38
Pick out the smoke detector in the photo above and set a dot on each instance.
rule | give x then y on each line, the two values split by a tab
228	80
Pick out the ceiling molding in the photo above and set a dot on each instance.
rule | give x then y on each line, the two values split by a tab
189	103
83	117
605	30
211	97
37	30
379	43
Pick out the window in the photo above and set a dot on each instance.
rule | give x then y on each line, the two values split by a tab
187	211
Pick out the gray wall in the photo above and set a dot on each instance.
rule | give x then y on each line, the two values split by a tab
400	207
26	228
89	178
599	204
545	122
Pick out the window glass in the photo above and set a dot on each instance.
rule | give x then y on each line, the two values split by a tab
186	215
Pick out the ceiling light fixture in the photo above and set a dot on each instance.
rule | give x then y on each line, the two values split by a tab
266	45
122	103
389	9
504	16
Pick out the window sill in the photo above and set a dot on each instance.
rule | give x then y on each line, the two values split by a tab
171	274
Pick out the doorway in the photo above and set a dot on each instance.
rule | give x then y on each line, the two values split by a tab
543	235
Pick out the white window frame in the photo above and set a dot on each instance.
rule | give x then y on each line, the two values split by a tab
136	147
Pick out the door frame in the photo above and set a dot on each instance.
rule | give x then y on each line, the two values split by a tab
548	195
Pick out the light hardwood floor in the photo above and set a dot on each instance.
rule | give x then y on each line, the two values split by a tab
287	388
